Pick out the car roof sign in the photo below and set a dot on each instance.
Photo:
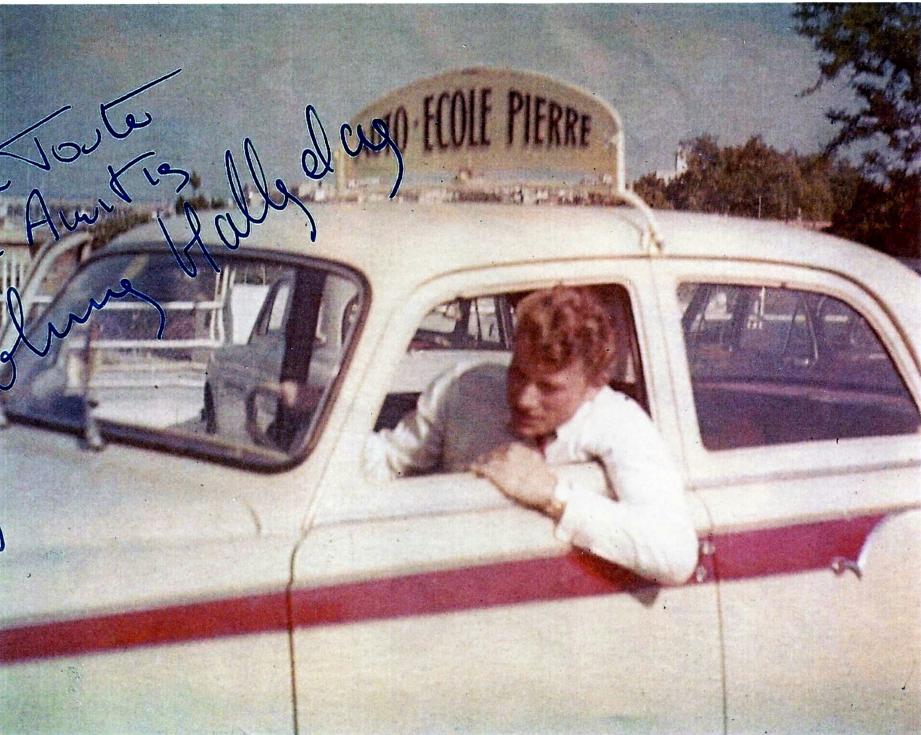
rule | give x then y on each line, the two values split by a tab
497	124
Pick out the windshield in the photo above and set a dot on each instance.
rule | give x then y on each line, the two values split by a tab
238	361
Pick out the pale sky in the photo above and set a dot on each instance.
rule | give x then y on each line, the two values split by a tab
671	71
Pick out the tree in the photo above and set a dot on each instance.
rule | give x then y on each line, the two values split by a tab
750	180
817	196
876	48
198	200
653	191
760	181
110	227
697	188
883	216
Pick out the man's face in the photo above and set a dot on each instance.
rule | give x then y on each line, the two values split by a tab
542	398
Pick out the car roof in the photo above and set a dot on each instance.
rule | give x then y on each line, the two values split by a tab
399	244
417	241
432	239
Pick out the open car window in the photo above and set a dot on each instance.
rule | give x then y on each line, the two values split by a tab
466	330
202	385
777	365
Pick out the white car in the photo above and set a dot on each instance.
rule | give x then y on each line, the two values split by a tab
188	578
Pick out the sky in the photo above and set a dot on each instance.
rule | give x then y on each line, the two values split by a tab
672	71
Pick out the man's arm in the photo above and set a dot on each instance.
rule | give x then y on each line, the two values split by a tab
648	528
415	444
657	541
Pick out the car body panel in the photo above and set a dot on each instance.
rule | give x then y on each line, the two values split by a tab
110	580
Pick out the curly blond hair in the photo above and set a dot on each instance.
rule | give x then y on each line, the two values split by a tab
566	323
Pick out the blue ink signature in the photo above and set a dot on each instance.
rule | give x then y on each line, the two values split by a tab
380	127
2	540
36	199
69	151
17	317
316	162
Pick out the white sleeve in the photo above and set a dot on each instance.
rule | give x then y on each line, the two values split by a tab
648	529
415	444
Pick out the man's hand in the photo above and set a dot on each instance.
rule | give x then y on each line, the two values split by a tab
520	472
300	397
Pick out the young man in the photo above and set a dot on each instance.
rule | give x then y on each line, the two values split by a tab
553	406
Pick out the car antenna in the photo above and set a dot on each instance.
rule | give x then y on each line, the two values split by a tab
652	237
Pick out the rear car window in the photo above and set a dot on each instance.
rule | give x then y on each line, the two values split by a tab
777	365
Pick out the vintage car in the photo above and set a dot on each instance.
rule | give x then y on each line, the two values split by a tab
164	572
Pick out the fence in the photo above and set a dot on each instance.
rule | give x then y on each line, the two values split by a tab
14	265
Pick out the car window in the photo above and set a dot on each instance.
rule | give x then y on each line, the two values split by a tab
481	330
776	365
279	305
197	384
466	324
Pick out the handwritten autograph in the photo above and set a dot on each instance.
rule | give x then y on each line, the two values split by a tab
68	151
17	317
316	162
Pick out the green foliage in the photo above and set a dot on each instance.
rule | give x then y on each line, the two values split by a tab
198	200
653	191
108	228
884	216
750	180
877	48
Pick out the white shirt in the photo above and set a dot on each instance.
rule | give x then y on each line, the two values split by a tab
645	527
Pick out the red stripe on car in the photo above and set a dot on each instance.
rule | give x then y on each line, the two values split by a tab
508	583
121	631
791	549
741	555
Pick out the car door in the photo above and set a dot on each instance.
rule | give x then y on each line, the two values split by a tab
138	599
434	604
235	369
248	365
801	427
